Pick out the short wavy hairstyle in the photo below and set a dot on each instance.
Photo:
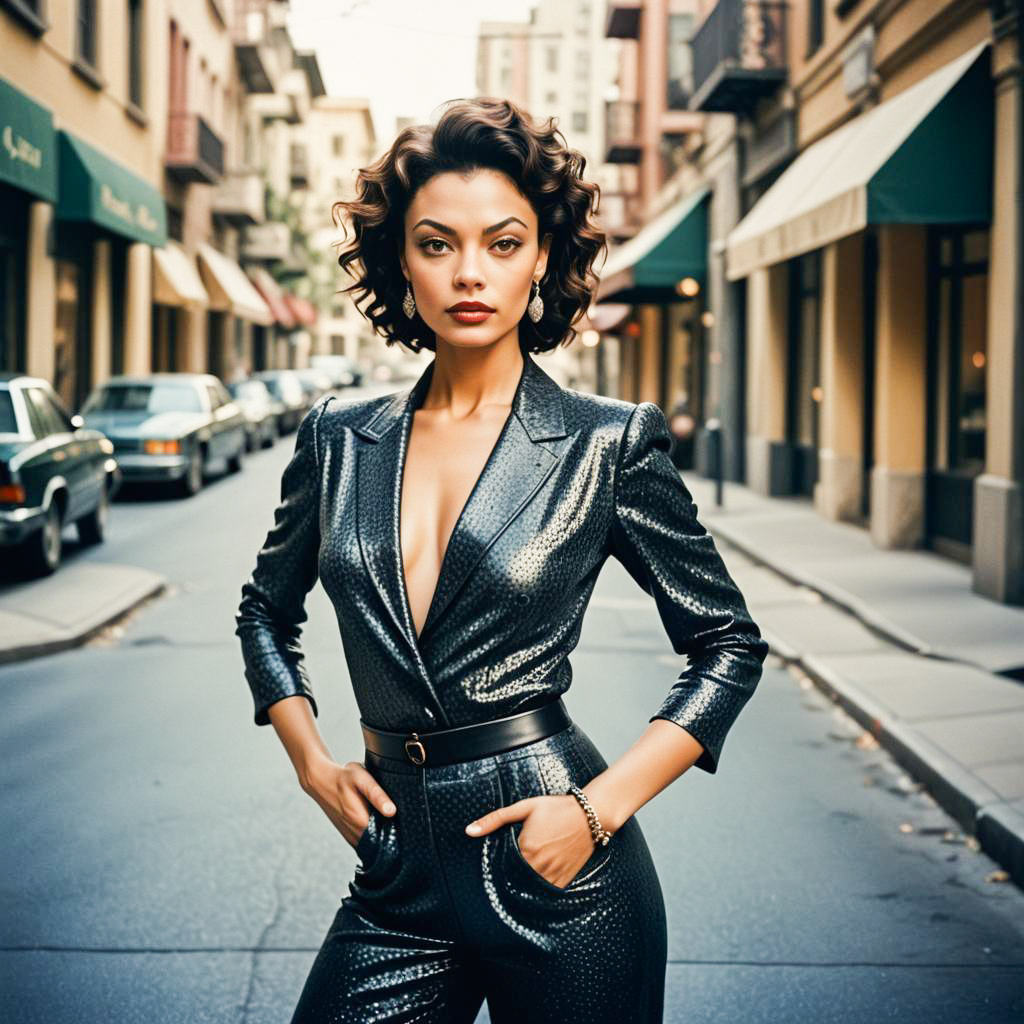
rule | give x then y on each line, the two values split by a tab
469	135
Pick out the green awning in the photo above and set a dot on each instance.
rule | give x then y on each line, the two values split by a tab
669	248
922	157
28	149
95	188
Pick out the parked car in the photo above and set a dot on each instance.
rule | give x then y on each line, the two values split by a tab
287	388
314	382
262	411
171	427
54	470
344	372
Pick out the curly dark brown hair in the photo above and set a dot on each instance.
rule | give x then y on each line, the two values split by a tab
472	134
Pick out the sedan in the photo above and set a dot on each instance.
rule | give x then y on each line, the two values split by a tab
287	388
172	427
54	470
262	411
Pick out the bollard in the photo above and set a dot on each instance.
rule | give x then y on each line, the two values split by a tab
713	427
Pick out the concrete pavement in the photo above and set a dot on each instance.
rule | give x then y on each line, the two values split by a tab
64	610
901	641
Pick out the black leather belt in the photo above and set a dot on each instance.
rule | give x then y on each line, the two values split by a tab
465	742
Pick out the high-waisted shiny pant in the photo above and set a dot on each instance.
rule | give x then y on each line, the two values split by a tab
436	921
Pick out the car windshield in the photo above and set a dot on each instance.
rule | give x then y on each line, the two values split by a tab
151	398
250	389
7	421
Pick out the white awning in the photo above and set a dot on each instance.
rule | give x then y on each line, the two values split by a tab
175	279
884	166
230	290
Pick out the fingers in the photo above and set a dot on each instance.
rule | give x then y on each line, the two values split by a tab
374	792
500	816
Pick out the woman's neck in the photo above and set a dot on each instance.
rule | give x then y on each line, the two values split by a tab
466	379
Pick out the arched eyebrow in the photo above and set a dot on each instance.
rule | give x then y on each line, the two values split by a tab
438	226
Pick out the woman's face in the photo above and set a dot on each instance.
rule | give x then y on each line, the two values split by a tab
472	240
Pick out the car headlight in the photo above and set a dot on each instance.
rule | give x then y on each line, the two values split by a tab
162	447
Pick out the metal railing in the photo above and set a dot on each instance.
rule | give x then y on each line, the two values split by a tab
747	34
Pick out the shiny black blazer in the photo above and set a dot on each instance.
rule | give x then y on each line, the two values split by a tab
572	479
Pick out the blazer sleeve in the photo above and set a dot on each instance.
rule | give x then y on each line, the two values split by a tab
272	608
657	537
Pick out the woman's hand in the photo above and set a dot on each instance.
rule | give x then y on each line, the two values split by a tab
340	791
555	839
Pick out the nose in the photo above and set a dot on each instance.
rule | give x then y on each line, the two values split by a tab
469	274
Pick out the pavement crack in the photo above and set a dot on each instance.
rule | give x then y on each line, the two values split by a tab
260	947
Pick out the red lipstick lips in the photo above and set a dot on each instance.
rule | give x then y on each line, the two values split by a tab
470	312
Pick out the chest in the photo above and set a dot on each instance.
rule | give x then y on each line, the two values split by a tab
443	463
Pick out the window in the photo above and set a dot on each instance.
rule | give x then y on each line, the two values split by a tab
45	416
8	422
579	121
135	52
30	12
552	58
85	41
815	25
680	61
338	145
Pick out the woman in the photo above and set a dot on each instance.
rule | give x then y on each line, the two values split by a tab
459	528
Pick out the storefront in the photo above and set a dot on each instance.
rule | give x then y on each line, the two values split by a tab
235	305
179	311
662	272
107	218
867	272
28	174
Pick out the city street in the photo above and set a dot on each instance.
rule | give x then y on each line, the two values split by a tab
160	864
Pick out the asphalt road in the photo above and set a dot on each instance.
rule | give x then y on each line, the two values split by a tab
158	862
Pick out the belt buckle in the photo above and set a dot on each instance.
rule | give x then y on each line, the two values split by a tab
414	746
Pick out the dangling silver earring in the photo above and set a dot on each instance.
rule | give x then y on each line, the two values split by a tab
409	303
536	307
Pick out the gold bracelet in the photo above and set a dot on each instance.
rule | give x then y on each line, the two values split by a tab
600	835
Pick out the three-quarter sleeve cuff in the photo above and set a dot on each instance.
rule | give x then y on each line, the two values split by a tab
263	718
707	711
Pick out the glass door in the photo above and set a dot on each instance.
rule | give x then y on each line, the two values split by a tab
804	365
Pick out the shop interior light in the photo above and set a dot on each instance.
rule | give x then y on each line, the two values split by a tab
590	338
688	287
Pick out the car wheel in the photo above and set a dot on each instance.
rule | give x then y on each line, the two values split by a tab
93	527
235	462
271	434
42	551
192	482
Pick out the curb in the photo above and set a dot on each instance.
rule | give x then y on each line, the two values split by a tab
996	824
63	638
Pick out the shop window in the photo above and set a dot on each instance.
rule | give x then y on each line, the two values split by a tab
579	120
957	397
66	330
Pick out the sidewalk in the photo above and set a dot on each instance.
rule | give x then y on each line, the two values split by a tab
900	640
63	610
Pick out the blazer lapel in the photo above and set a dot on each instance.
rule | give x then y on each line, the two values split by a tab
518	465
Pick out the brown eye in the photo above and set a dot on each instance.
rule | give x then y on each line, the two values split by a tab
511	245
425	245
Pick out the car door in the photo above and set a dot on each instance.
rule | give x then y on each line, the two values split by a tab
234	418
66	453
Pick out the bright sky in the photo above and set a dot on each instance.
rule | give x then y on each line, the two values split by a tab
408	56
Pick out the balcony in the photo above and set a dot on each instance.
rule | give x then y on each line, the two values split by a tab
622	132
739	55
195	152
623	20
299	166
239	200
256	58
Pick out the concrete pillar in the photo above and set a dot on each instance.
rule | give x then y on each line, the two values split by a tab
998	541
193	355
769	461
41	289
102	321
837	494
898	476
138	300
